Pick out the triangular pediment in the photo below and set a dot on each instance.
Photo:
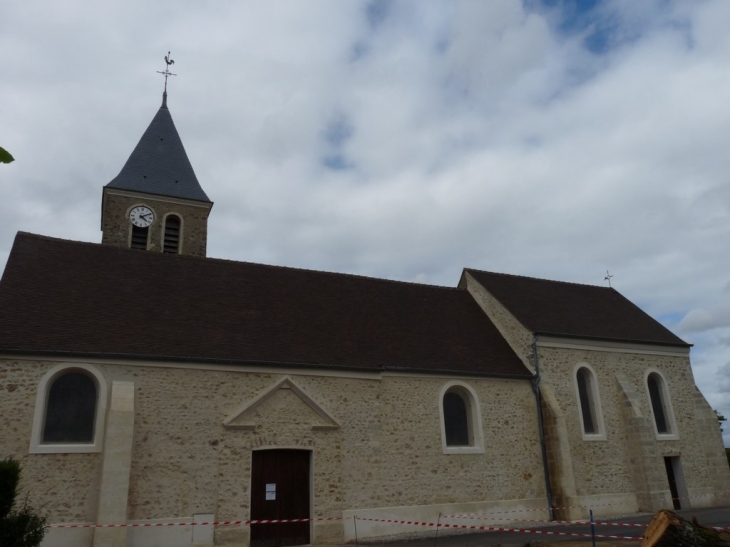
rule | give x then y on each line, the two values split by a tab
283	403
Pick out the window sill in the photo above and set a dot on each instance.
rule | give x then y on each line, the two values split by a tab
598	437
463	450
64	448
667	437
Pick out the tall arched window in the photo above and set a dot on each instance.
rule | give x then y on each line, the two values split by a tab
69	411
461	425
661	407
456	419
171	242
589	402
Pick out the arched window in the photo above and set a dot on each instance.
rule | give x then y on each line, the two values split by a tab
139	238
171	241
456	419
589	402
661	406
70	408
461	426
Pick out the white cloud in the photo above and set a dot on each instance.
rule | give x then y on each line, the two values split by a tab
706	319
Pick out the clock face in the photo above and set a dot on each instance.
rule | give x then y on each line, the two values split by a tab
141	216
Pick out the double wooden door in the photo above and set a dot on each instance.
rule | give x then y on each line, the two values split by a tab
280	490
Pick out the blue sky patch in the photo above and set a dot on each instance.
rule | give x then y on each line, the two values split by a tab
336	134
594	19
377	12
337	162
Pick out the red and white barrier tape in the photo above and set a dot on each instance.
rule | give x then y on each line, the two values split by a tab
390	521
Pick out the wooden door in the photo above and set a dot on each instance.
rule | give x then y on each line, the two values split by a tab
280	490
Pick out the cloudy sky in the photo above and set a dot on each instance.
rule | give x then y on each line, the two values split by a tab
402	139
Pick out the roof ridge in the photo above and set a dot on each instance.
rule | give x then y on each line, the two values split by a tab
245	262
541	279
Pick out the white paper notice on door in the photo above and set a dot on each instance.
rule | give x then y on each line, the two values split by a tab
271	491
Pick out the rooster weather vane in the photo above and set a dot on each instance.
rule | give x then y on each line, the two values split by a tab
167	73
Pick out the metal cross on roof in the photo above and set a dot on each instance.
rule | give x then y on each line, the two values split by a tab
167	72
608	278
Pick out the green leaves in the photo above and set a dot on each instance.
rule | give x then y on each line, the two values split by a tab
9	477
5	156
22	526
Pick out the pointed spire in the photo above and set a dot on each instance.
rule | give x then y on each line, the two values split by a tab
159	164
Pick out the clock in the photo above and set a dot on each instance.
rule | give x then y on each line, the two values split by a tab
141	216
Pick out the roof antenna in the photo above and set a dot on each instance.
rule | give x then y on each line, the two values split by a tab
167	73
608	278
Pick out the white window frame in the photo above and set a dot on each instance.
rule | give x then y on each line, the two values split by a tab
474	417
600	435
673	435
36	445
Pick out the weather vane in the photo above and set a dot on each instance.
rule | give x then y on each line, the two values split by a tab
608	278
167	73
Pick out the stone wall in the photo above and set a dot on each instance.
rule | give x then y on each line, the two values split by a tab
116	228
64	486
384	455
631	458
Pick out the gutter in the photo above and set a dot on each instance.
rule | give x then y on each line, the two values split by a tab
541	428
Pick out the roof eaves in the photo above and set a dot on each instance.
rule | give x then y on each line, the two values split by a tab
219	361
611	339
158	194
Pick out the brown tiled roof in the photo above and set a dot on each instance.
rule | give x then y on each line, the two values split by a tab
84	298
573	310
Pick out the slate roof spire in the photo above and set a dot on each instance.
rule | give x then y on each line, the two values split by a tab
159	164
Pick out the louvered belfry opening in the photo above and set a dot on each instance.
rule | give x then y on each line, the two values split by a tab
139	238
171	243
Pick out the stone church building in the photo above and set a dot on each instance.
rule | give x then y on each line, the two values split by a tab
143	383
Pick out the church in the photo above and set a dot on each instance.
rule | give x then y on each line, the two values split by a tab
148	387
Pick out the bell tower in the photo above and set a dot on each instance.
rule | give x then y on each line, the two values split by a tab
156	203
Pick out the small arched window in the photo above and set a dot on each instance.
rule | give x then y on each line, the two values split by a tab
589	403
69	411
661	406
460	420
171	241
